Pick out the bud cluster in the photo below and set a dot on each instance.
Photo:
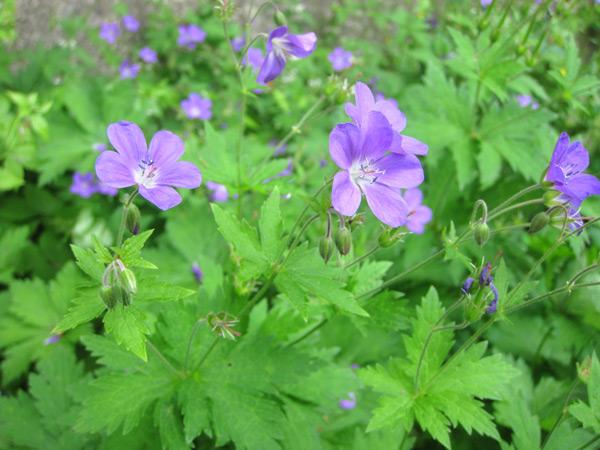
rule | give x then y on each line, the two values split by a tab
118	285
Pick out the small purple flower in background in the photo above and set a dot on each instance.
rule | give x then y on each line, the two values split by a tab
525	100
196	107
105	189
418	214
254	58
485	279
128	70
238	43
110	31
348	404
198	275
130	23
155	169
281	150
219	192
379	97
99	147
370	170
340	59
564	173
190	35
365	103
354	366
485	3
280	46
83	184
322	162
148	55
53	339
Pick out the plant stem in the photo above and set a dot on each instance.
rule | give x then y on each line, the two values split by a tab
510	227
563	415
163	359
588	443
308	333
206	353
521	193
366	255
189	347
517	206
124	216
539	298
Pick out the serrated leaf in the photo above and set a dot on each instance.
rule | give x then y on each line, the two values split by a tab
271	226
432	421
168	421
102	252
221	166
150	289
83	310
130	250
195	408
128	327
87	261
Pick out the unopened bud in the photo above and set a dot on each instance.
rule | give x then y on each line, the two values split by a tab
326	248
390	237
583	370
495	35
343	240
538	223
280	19
340	96
132	219
483	24
520	50
550	198
123	296
108	296
128	281
331	86
472	313
482	233
530	61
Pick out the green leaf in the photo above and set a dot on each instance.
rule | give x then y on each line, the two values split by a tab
150	289
450	243
271	226
220	164
306	272
83	310
242	236
168	420
130	250
103	254
87	261
433	421
195	409
589	416
128	327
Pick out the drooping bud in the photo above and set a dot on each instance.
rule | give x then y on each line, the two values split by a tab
280	19
326	248
343	240
538	223
482	233
472	312
123	296
550	198
390	237
224	10
108	296
128	281
132	219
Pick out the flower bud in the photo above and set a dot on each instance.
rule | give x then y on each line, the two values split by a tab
331	86
520	50
343	240
583	370
128	281
108	296
550	198
483	24
482	233
391	237
123	296
340	97
132	219
472	313
280	19
538	223
326	248
495	35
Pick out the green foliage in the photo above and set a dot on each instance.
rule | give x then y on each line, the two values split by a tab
589	415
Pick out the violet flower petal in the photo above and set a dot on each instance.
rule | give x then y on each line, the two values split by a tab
345	195
165	148
386	203
113	169
420	216
164	197
181	174
413	198
342	144
127	139
413	146
396	117
271	67
401	171
301	45
466	287
376	136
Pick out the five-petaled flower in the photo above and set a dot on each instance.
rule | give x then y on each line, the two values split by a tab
218	192
148	55
340	59
280	46
564	173
110	31
370	170
130	23
190	35
196	107
418	214
129	70
154	169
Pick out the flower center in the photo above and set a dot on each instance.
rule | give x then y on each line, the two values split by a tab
281	46
146	174
569	170
365	172
195	112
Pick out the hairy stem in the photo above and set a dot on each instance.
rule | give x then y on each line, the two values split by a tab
166	363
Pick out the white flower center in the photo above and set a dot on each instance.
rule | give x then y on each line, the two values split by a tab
147	174
364	172
569	170
195	112
281	46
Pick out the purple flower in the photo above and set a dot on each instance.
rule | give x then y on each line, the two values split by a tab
105	189
198	275
254	58
196	107
322	162
128	70
281	150
99	147
418	214
83	184
110	31
148	55
370	170
52	339
525	100
574	219
340	58
486	2
288	171
485	280
564	172
379	97
219	192
348	404
130	23
190	35
155	169
238	43
365	103
280	46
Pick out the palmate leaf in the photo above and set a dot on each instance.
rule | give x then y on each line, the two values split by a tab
128	327
306	272
446	398
589	415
